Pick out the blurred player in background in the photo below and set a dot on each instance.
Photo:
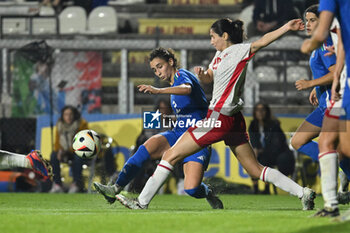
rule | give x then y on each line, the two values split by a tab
340	9
322	68
227	70
188	102
33	160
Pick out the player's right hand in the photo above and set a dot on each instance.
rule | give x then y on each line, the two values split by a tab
302	84
198	70
148	89
335	88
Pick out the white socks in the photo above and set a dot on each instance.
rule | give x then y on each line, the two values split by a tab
329	170
155	182
281	181
13	160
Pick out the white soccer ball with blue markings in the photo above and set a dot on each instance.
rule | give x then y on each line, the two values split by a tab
86	144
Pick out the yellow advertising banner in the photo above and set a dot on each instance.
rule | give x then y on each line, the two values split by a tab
136	57
175	26
204	2
125	130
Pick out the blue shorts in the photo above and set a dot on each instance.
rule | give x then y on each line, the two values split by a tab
316	117
346	101
202	156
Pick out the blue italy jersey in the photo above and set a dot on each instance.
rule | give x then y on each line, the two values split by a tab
341	9
192	106
319	64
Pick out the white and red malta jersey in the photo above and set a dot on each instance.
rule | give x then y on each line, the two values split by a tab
229	69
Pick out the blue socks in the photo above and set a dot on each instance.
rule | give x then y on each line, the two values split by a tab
344	164
200	191
133	166
310	149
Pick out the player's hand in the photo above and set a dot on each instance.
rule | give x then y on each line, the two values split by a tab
313	97
305	47
296	25
335	88
302	84
331	50
148	89
198	70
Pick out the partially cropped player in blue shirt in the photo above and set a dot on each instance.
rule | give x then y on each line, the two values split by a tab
189	105
328	160
321	67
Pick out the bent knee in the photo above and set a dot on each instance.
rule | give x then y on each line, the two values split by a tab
171	156
325	144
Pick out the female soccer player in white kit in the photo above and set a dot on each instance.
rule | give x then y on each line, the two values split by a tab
227	70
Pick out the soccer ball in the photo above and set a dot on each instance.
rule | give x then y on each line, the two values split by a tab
86	144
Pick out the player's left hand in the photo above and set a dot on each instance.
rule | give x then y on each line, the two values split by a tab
302	84
313	97
148	89
296	25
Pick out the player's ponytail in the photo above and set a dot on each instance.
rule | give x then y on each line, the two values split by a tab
165	54
238	32
234	29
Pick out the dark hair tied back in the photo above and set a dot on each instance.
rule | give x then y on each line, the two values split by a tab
234	29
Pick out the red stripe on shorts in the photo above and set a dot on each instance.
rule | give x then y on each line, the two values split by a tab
329	109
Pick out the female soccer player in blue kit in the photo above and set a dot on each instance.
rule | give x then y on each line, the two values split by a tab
189	103
322	67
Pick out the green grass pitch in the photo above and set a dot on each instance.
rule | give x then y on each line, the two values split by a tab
51	213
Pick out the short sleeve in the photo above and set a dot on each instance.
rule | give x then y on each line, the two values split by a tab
328	5
213	60
183	79
328	61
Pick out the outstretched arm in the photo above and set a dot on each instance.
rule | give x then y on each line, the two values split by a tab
268	38
320	34
183	89
324	80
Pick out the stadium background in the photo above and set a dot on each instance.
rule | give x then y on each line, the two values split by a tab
98	71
